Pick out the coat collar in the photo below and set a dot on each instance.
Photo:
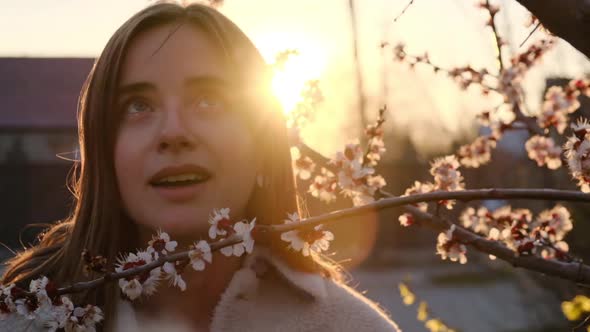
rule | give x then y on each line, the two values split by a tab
311	284
243	284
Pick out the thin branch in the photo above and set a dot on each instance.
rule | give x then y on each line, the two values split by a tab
582	324
568	19
530	34
463	195
362	98
318	157
468	238
496	35
179	256
403	11
530	123
378	127
573	271
453	73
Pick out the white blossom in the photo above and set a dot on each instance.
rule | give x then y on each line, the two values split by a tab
511	84
52	317
552	253
479	221
577	154
27	307
161	244
7	305
244	230
446	176
173	275
200	254
84	319
478	153
143	284
303	166
307	240
544	151
219	222
554	224
376	150
447	247
420	188
324	186
556	107
406	219
131	288
38	286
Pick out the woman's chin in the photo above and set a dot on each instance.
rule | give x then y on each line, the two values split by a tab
178	228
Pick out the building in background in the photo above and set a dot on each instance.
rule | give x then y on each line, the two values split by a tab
38	103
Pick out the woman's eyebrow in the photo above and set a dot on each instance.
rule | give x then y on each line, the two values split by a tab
135	87
195	81
206	81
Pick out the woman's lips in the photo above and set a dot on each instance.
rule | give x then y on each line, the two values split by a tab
181	193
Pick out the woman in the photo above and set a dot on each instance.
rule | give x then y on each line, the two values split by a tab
175	120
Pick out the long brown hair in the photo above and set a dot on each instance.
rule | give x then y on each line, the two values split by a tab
97	221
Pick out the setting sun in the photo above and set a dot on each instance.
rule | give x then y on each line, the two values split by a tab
306	61
290	78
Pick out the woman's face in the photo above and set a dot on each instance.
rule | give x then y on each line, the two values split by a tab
182	149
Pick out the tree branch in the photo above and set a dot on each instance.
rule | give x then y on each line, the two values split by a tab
568	19
362	98
556	268
110	276
573	271
497	38
403	10
463	195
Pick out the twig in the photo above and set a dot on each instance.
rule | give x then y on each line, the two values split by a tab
81	286
403	11
318	157
378	124
463	195
584	322
528	121
572	271
568	19
362	98
454	73
496	36
530	34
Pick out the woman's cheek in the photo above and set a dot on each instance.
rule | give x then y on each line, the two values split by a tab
130	154
233	148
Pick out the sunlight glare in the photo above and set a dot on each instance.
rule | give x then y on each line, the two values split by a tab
308	64
289	81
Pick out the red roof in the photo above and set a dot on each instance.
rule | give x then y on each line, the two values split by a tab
41	92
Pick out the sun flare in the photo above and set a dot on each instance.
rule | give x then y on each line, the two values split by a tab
290	79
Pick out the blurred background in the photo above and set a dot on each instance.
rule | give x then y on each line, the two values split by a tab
48	47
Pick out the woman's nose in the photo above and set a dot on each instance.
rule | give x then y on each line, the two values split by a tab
175	133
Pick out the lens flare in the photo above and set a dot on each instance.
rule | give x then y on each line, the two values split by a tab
290	79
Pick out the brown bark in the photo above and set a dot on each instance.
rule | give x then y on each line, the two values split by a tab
568	19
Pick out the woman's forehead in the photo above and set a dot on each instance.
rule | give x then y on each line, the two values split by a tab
171	54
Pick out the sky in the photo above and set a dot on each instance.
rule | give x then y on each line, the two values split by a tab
428	107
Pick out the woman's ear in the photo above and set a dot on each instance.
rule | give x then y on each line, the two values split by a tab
259	179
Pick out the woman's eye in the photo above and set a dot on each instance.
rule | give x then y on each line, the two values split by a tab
137	106
209	103
206	103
